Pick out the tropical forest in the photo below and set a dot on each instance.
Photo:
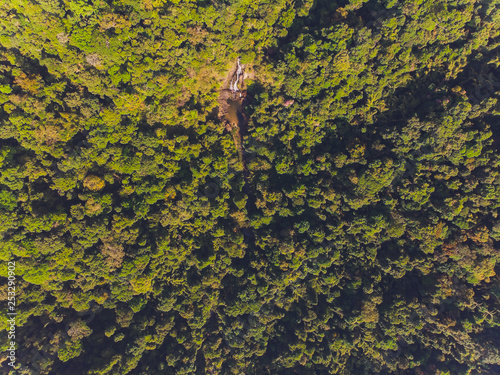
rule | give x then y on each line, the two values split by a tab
250	187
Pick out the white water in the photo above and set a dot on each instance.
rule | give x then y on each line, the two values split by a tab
234	84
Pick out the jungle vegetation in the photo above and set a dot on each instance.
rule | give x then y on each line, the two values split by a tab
347	223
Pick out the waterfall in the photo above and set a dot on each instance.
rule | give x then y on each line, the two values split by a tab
234	84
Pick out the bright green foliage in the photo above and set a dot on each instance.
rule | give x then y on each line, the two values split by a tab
355	232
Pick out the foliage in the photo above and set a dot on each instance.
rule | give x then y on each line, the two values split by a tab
354	230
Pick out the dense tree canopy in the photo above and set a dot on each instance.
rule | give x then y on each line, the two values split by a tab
346	223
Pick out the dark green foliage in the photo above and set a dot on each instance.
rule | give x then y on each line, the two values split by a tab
354	231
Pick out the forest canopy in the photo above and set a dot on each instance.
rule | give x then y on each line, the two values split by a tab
251	187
